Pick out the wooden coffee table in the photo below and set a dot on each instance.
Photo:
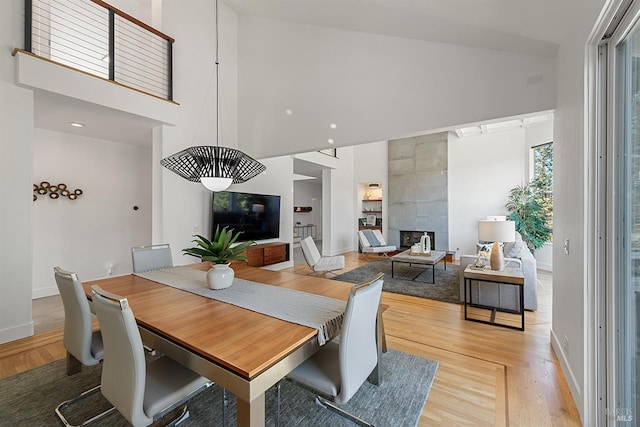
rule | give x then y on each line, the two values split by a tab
432	259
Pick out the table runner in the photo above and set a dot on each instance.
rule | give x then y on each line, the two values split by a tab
315	311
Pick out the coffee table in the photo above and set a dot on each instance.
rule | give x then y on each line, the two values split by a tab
432	259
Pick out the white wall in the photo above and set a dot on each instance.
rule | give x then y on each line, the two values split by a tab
338	199
373	87
482	170
306	193
571	186
184	207
16	148
370	165
94	234
341	218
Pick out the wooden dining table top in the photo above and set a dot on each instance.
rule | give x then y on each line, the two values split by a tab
241	340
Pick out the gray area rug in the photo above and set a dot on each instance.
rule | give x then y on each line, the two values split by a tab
29	398
446	288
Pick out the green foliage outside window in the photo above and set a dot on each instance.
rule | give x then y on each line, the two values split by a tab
531	205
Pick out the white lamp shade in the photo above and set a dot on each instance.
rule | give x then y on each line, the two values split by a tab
497	231
216	183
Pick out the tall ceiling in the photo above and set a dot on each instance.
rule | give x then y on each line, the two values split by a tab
534	27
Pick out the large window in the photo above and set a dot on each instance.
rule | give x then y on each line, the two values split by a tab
621	289
543	179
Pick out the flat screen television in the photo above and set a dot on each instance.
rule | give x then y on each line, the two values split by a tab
256	215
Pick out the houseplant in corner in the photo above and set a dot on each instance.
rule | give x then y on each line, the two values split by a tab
219	251
526	207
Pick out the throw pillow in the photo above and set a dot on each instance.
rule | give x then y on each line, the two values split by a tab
486	247
514	249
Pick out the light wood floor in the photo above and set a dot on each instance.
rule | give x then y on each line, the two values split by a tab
487	375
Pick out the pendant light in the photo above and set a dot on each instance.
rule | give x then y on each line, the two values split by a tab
215	167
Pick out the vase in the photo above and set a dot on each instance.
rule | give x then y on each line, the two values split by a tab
220	276
425	244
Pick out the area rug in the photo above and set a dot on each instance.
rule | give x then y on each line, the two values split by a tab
446	288
29	398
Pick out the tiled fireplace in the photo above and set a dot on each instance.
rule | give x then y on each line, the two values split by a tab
418	189
408	238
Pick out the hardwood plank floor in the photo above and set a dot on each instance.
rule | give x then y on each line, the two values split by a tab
487	375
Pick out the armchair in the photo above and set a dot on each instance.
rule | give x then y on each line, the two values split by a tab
372	242
319	264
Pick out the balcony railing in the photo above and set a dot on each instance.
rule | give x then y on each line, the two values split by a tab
96	38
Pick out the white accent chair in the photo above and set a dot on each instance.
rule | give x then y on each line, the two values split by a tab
84	347
141	391
339	369
320	265
372	242
152	257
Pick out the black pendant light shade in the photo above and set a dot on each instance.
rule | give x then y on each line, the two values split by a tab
215	167
195	163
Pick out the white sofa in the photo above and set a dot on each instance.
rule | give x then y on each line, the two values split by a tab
517	255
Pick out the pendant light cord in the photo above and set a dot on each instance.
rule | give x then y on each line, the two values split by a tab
217	82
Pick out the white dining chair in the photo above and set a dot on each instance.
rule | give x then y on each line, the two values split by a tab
338	370
83	345
152	257
142	391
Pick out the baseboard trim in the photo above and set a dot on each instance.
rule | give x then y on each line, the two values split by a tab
545	266
44	292
574	386
16	332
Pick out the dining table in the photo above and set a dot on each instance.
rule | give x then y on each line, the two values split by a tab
244	351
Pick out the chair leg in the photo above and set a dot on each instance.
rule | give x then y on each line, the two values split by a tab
182	416
324	403
278	405
69	402
225	405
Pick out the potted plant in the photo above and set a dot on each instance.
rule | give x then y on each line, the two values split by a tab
219	251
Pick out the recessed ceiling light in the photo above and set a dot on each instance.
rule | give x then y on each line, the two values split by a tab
333	125
330	141
76	124
288	112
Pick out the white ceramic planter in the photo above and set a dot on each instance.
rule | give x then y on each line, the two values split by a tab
220	276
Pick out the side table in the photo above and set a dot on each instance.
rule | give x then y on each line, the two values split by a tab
506	277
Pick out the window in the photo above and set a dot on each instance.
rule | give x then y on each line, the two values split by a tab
543	178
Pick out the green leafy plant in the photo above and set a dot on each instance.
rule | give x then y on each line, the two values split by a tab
527	210
219	250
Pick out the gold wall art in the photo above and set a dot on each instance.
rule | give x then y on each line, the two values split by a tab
55	191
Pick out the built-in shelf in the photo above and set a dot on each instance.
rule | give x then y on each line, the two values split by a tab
372	207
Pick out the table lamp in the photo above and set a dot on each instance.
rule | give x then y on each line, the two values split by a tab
497	231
